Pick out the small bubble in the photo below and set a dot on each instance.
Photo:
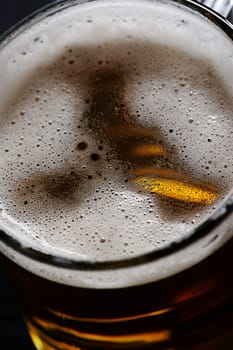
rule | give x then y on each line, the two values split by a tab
95	157
82	146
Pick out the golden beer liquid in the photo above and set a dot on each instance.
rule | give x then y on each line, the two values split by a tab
190	310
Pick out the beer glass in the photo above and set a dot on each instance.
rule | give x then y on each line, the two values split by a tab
173	295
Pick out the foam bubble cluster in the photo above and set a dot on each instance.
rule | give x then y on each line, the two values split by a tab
69	133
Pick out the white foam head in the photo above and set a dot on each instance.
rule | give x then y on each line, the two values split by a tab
78	202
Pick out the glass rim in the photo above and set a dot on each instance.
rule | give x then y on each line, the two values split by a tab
194	235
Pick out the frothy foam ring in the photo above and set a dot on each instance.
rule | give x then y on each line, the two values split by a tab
102	131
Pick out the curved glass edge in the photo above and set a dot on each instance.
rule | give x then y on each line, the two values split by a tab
223	7
201	231
8	34
211	14
195	235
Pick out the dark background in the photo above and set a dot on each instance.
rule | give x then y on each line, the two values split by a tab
13	334
11	11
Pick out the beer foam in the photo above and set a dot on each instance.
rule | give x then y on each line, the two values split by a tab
67	187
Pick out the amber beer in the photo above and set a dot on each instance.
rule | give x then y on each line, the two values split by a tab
116	178
190	310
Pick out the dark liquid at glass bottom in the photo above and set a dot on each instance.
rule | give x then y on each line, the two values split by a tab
192	310
13	333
